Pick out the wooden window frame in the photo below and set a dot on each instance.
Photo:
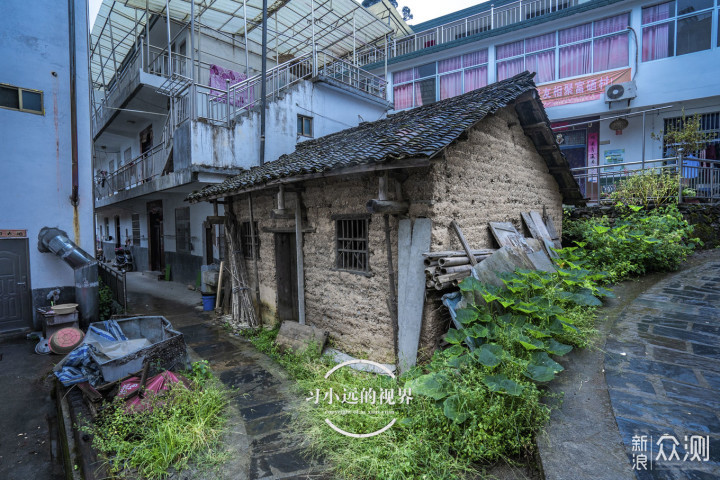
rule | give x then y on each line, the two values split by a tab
135	222
186	248
352	243
20	100
301	121
245	234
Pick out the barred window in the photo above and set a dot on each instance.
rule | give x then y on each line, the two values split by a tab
351	247
182	230
247	239
136	229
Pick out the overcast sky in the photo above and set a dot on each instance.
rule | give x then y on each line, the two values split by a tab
422	10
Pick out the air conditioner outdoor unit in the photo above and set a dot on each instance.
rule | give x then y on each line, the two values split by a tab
620	91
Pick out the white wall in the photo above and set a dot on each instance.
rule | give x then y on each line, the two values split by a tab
35	171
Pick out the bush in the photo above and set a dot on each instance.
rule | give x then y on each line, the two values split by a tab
638	242
658	187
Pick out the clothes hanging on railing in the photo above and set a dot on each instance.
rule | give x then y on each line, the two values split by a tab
218	80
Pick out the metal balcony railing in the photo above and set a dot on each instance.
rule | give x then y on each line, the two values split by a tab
696	178
489	20
141	169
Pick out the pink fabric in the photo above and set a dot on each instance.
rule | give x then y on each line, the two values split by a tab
450	85
575	60
610	52
612	24
575	34
449	64
509	50
218	79
509	68
657	13
656	42
475	58
543	64
542	42
476	78
159	383
403	96
404	76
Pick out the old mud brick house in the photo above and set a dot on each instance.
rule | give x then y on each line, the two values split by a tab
484	156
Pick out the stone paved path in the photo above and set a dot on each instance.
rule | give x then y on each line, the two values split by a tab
662	365
263	398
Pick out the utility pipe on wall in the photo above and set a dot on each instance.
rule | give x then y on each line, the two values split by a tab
75	194
84	266
263	89
300	262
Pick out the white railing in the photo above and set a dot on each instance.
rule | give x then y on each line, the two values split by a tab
488	20
697	178
164	65
141	169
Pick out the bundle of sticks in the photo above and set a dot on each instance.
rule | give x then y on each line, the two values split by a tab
447	269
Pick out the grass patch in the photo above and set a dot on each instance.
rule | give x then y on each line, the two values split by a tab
182	428
473	404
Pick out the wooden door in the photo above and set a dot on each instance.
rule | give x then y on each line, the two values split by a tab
156	247
286	270
15	305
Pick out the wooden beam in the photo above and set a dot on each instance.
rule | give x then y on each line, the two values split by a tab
387	207
216	219
464	243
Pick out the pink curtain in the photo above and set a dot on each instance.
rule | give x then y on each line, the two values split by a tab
575	60
509	68
403	96
509	50
657	13
612	24
425	92
657	42
542	42
218	79
543	64
404	76
450	85
449	65
476	78
610	52
475	58
575	34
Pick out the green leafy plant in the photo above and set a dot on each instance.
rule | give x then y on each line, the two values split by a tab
182	427
654	186
637	242
686	136
108	306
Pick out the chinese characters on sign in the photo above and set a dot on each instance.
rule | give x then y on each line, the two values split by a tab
367	396
593	139
583	89
647	453
13	233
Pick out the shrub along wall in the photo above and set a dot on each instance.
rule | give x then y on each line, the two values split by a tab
704	217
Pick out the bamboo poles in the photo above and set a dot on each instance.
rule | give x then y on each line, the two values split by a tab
445	270
243	311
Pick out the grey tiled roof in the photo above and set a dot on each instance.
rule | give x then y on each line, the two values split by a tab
417	133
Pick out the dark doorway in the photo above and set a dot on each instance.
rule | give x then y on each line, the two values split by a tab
574	147
117	231
156	247
15	306
209	240
286	269
146	139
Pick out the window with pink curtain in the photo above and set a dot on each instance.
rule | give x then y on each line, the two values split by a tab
657	42
610	52
614	24
509	68
403	96
475	58
543	64
575	34
450	85
542	42
509	50
425	92
658	12
476	78
575	60
402	77
449	64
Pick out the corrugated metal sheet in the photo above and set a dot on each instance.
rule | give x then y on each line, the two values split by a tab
293	35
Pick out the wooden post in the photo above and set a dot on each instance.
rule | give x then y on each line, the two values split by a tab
464	243
219	285
299	255
392	300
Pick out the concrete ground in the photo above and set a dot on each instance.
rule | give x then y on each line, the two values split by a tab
28	427
262	445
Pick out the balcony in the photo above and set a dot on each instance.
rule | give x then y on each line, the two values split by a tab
491	19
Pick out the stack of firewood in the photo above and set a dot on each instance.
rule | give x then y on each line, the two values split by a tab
446	269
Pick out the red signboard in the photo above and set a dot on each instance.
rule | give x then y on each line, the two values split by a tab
583	89
13	233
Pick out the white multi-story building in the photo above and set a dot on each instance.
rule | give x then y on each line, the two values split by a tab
177	104
664	55
46	159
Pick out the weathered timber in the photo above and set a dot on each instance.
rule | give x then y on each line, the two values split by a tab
504	233
458	253
390	207
464	243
